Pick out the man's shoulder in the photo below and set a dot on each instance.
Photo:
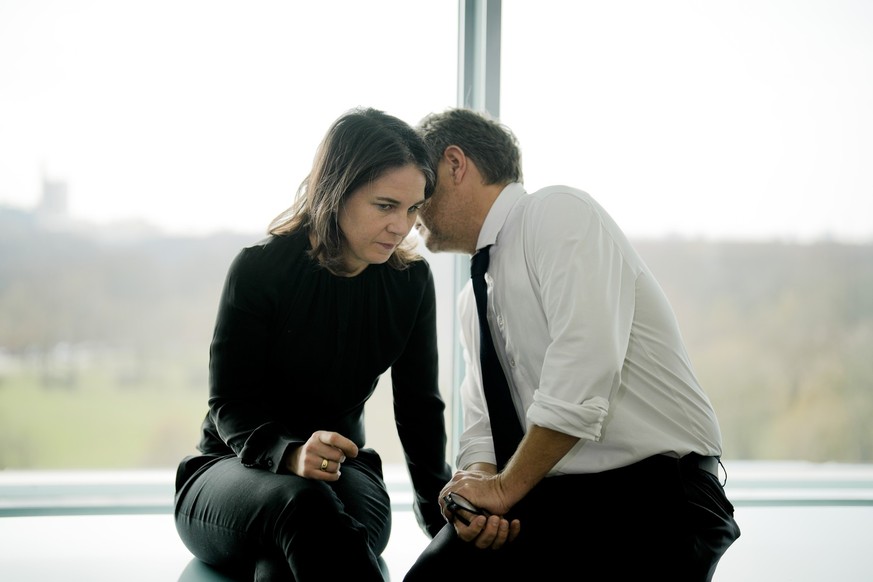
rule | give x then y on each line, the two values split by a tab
559	199
558	191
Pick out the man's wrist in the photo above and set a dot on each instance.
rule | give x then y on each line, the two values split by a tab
482	467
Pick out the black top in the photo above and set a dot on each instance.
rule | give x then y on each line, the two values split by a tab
297	349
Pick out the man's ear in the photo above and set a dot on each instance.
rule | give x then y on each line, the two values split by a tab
457	162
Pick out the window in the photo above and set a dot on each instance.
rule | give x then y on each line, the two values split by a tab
730	141
144	143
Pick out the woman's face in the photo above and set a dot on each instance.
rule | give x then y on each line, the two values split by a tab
376	217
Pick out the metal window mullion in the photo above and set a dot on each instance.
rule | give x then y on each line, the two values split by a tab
478	88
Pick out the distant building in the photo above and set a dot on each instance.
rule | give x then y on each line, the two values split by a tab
53	210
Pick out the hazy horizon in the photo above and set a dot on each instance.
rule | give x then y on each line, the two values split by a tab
747	121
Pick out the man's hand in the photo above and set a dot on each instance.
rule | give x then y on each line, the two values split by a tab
479	488
490	532
482	486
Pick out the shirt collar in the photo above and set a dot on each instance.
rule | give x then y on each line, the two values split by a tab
498	214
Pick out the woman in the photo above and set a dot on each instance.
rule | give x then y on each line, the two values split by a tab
309	318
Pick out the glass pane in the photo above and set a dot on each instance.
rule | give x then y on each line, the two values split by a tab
732	142
142	144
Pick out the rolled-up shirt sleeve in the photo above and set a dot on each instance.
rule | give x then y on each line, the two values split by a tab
581	420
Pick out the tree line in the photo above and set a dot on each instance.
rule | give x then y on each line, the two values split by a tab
780	334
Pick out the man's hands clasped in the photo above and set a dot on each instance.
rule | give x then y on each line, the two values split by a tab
473	503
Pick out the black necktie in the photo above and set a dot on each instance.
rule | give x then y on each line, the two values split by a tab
506	429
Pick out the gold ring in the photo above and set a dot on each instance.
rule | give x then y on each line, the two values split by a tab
324	463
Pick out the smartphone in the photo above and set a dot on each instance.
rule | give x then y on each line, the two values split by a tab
455	503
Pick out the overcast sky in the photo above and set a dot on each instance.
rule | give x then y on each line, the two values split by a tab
748	119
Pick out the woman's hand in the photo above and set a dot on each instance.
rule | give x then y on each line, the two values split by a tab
321	456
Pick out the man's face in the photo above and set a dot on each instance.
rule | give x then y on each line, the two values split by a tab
440	221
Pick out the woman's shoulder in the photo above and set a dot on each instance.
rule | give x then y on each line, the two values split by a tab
414	283
275	246
416	270
270	254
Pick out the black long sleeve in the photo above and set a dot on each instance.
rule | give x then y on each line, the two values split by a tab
297	349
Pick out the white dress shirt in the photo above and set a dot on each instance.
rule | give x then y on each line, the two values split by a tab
586	336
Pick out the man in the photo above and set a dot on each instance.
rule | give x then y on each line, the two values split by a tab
616	476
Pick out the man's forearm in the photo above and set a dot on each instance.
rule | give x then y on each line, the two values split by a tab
539	451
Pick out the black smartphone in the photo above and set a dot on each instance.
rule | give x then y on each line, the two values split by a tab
455	502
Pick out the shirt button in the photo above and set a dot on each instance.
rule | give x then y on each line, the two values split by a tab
511	362
500	321
269	462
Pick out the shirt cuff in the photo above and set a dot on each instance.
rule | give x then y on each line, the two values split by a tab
479	450
580	420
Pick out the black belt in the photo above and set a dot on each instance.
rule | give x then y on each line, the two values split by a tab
693	460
